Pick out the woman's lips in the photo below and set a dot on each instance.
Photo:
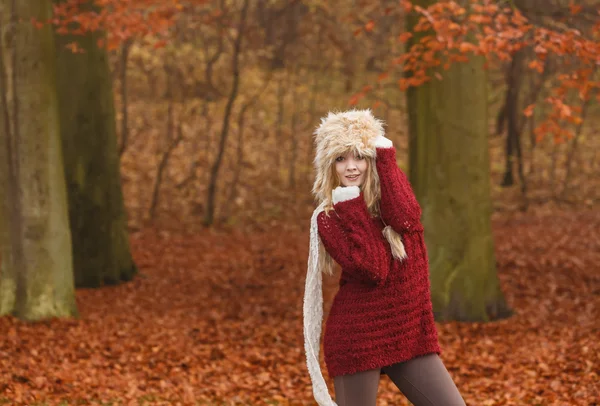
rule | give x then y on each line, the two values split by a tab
353	177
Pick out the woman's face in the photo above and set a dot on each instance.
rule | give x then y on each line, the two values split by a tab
351	169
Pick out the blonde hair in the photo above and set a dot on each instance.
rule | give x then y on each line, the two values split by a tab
371	191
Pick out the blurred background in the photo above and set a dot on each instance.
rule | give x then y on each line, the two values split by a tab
156	174
296	62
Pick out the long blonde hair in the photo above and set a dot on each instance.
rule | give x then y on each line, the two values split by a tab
371	191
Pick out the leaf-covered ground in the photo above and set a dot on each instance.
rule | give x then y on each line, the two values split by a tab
216	318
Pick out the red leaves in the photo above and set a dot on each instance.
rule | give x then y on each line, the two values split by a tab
450	33
120	19
536	65
575	8
217	317
367	27
528	112
405	36
383	76
75	48
354	99
160	44
467	47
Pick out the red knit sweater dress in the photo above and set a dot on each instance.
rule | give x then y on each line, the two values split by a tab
382	313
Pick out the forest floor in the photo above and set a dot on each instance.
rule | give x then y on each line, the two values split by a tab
216	319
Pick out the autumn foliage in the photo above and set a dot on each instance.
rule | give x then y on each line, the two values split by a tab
216	318
121	20
448	33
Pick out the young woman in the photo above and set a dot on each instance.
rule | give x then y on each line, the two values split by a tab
381	320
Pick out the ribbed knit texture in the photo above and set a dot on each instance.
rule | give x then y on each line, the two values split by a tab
382	312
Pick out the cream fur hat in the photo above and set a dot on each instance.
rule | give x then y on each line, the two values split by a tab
338	132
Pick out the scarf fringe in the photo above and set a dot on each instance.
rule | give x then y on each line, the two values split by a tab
313	315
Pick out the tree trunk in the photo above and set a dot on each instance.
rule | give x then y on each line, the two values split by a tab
214	172
281	91
512	111
573	146
97	213
174	137
126	47
293	133
36	274
449	170
237	174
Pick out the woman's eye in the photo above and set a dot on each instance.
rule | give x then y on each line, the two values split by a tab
360	157
339	159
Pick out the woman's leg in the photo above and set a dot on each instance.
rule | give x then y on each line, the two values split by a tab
425	382
359	389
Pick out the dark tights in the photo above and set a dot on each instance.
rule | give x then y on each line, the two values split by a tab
423	380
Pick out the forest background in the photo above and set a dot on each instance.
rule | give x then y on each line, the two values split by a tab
180	199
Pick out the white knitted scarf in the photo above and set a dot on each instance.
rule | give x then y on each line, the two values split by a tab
313	315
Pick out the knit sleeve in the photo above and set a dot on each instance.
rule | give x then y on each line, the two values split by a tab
354	241
399	207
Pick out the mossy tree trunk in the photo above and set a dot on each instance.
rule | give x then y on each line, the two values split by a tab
97	213
449	170
36	273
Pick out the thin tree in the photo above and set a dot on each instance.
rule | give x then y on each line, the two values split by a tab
214	173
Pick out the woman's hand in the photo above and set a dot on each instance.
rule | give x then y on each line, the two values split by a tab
382	142
340	193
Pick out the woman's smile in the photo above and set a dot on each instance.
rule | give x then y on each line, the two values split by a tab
351	169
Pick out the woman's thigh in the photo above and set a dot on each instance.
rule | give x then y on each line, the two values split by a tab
359	389
425	382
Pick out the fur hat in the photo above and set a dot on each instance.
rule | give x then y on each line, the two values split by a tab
339	132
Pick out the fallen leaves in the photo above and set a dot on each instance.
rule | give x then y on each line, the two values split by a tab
216	318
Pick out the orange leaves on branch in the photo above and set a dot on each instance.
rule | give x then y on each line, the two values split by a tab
75	48
448	33
575	8
528	112
540	50
559	118
383	76
38	24
406	5
536	65
465	47
120	19
480	19
577	120
563	109
355	99
419	79
160	44
405	36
